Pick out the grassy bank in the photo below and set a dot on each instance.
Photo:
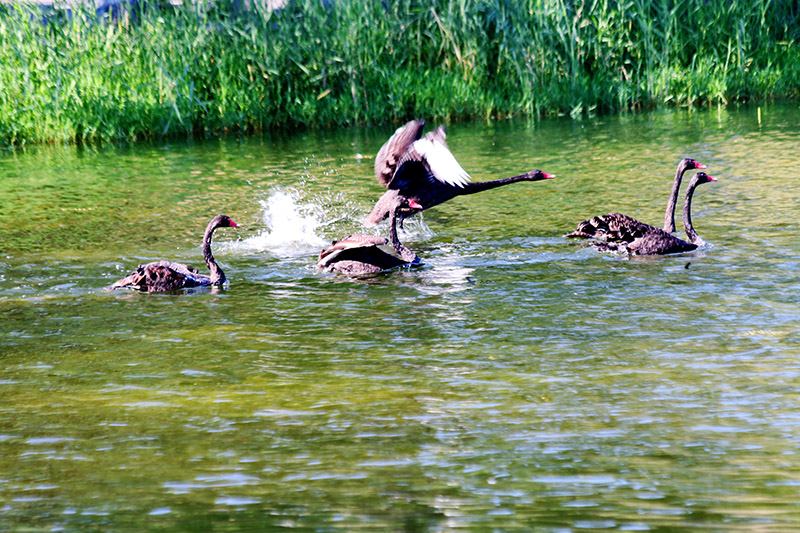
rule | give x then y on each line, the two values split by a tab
193	72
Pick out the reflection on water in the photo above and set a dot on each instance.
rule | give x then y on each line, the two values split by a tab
516	378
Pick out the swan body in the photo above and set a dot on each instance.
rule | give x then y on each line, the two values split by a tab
161	276
424	170
619	234
368	254
617	222
359	254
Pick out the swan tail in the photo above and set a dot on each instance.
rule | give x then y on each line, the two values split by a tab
134	280
592	228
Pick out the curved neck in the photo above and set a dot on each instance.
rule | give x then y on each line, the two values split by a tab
669	216
217	275
694	238
407	255
383	207
472	188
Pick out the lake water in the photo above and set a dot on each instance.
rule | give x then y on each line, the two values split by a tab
517	380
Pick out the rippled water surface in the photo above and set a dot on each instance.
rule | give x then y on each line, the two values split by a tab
518	379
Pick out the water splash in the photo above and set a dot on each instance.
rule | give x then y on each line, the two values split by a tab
414	229
292	224
297	225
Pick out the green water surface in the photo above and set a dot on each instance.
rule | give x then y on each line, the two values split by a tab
517	381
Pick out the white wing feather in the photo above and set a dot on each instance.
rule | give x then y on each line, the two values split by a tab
441	162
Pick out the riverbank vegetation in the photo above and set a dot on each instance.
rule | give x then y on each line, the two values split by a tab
196	71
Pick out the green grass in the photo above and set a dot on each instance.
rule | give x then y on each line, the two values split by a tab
193	71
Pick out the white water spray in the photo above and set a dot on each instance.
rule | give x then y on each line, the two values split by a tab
297	225
291	225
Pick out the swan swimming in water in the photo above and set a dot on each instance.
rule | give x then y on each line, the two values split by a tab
368	254
161	276
644	239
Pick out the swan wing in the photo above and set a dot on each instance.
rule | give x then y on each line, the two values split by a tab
439	160
395	150
612	227
169	275
363	249
659	243
350	242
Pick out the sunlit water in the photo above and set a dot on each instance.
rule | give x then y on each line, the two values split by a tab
516	380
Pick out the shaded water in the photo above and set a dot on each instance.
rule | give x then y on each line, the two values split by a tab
518	379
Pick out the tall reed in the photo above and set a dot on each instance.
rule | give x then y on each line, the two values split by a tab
194	70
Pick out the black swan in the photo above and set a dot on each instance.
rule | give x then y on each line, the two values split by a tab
368	254
644	239
161	276
424	170
619	222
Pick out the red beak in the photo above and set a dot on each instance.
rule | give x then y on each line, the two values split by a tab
414	205
234	224
548	176
699	165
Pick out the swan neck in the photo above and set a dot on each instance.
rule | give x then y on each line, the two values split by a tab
687	217
480	186
383	207
217	275
407	255
669	216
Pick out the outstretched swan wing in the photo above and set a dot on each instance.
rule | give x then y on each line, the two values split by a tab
439	160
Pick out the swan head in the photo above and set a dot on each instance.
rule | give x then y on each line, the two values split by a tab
224	221
536	175
406	206
689	163
702	177
408	203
